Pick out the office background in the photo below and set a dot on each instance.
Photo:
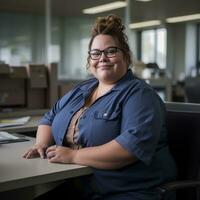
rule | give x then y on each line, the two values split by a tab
46	31
43	50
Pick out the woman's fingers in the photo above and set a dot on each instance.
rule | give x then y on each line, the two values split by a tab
38	150
35	152
30	153
41	152
51	152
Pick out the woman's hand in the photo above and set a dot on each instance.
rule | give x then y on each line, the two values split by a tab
60	154
37	150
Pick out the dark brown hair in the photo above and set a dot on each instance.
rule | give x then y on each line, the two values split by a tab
112	25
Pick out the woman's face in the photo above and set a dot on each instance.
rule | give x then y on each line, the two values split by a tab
107	69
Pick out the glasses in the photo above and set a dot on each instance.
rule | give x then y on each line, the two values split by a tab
109	52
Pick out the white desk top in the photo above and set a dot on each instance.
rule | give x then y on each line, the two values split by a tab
17	172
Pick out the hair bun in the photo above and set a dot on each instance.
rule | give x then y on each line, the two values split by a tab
111	23
116	22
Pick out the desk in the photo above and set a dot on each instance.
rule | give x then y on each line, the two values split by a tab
17	172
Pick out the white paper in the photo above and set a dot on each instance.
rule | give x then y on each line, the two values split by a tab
14	121
7	136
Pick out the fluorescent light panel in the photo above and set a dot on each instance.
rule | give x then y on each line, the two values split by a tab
105	7
144	24
183	18
144	0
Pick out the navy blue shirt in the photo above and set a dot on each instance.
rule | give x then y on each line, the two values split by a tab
130	113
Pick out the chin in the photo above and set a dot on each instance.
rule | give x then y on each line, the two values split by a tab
107	78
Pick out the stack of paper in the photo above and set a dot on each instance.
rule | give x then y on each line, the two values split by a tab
6	137
14	121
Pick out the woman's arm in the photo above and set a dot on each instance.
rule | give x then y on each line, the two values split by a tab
108	156
44	139
44	135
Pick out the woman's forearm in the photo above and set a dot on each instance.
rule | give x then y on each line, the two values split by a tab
44	135
108	156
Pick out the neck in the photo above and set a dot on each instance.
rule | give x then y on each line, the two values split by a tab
100	90
103	88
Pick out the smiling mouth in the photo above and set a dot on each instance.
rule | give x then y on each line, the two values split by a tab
105	66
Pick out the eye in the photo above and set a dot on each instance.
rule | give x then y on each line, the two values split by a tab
111	50
95	53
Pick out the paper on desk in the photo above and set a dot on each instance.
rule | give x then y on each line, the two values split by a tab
14	121
6	137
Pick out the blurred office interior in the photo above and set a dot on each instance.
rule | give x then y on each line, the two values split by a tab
44	44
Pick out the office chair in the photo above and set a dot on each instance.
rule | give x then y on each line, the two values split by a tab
192	89
183	128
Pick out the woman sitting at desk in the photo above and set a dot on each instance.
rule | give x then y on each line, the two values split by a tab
113	123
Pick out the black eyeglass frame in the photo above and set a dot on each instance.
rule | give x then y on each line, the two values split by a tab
105	51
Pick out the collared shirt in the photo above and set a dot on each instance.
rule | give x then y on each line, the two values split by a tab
130	113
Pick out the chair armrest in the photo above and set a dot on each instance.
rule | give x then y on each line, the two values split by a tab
163	189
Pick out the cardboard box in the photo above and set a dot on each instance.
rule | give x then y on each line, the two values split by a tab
18	72
4	69
12	92
52	92
36	98
37	75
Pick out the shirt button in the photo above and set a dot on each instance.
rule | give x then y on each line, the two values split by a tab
105	114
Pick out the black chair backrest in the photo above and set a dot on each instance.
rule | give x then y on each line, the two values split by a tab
183	126
192	89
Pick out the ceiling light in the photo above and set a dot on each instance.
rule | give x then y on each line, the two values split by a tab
144	0
144	24
183	18
105	7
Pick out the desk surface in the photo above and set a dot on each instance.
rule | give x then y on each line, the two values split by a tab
17	172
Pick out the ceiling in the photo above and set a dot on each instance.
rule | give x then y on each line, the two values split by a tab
139	11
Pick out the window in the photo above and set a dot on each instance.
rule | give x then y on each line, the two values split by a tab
153	46
23	42
198	46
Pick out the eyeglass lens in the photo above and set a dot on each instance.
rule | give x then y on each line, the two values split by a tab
108	52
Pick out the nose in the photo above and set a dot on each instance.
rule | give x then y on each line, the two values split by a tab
103	57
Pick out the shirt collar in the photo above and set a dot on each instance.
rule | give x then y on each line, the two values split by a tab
124	80
90	84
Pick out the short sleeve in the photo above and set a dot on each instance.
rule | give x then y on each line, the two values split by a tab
141	123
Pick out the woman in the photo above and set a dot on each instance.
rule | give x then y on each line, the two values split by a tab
113	123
